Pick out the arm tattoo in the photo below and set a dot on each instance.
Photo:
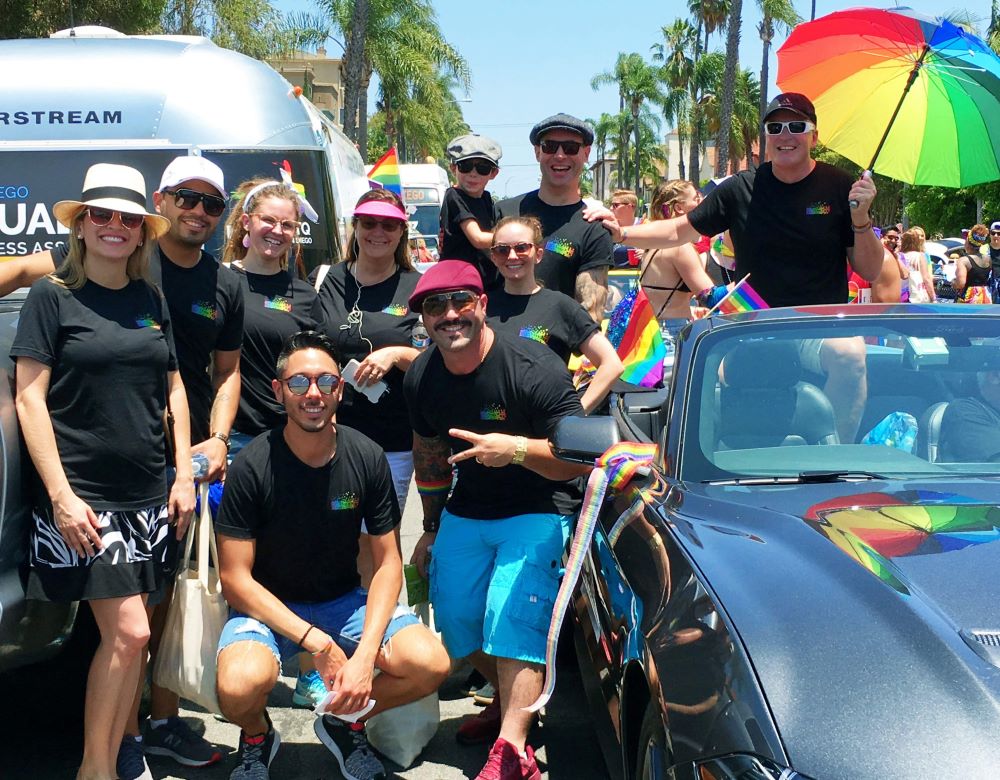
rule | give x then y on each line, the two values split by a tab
592	291
433	476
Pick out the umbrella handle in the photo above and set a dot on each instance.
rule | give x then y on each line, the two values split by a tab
852	202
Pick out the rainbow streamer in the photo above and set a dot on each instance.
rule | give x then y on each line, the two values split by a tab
385	173
742	298
614	469
635	335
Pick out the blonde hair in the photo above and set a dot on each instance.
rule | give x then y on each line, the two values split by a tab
667	193
628	196
234	230
527	221
912	240
72	273
402	253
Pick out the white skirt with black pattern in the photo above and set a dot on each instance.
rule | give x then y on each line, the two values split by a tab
133	559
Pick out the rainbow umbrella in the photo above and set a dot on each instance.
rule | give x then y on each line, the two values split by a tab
915	93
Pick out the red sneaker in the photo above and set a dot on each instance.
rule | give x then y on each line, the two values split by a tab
505	763
482	728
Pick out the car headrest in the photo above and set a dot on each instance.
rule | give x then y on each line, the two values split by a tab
763	364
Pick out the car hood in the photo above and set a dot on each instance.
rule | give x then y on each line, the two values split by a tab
871	614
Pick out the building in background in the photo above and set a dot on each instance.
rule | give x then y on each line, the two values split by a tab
321	80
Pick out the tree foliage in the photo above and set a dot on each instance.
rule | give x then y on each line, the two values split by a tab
41	18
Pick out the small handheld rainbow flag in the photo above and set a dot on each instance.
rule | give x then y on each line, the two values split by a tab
635	335
385	172
741	298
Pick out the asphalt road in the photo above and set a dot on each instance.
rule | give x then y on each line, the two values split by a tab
42	740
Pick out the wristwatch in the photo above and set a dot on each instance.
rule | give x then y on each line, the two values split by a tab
223	437
520	449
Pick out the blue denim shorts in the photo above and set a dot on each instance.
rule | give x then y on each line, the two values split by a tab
343	619
494	583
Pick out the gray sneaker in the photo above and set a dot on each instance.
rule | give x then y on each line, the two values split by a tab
131	763
349	744
256	754
176	740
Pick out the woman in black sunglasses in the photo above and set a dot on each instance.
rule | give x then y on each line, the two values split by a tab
524	308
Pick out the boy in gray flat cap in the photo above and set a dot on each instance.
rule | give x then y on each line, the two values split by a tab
467	212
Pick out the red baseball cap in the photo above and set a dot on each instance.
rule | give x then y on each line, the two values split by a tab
444	276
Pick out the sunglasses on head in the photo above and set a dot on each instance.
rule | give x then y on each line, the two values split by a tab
569	147
795	127
501	251
299	384
436	305
102	217
187	199
388	225
482	167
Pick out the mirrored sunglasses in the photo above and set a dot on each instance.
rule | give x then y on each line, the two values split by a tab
463	300
299	384
187	199
569	147
102	217
482	167
795	127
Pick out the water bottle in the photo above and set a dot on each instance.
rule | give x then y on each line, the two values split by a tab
199	465
418	337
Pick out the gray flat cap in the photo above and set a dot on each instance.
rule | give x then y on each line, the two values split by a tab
472	145
562	122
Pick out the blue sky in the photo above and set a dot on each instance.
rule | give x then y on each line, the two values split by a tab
533	58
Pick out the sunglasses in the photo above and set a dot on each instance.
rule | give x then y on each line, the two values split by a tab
617	205
287	225
102	217
569	147
388	225
995	232
187	199
299	384
463	300
795	127
501	251
483	167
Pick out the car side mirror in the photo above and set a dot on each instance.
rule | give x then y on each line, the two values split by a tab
584	439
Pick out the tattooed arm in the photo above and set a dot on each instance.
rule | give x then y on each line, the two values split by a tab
592	291
433	475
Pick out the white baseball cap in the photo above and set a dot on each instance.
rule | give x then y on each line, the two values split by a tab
193	168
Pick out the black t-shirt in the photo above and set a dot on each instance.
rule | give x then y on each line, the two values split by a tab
109	352
206	314
306	521
792	238
970	432
520	388
458	206
206	311
548	317
386	321
277	306
571	243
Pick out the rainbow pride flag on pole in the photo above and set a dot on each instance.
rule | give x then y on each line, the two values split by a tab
385	173
742	298
635	335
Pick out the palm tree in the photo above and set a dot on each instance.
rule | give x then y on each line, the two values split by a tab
354	62
729	84
775	14
606	128
680	40
710	15
614	76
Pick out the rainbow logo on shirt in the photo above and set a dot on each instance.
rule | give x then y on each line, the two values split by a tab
535	333
147	321
278	303
204	309
560	246
346	501
395	309
820	209
493	413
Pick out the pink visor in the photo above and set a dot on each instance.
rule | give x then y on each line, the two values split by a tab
379	208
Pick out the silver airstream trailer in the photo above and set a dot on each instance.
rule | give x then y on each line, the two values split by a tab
69	101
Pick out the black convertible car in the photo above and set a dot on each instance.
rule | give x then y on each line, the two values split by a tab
807	582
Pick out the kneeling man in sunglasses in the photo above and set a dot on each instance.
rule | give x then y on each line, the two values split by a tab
487	403
288	543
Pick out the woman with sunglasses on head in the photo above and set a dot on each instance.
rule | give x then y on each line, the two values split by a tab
524	308
670	277
96	370
911	251
973	269
261	247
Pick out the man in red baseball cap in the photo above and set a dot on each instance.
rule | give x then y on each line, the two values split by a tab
486	403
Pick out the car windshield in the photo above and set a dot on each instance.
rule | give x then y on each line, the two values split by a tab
855	397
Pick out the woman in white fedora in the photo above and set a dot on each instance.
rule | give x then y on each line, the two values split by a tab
95	367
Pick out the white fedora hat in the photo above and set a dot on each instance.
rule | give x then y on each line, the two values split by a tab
115	187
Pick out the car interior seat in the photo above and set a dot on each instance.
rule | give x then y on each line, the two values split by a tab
763	403
929	432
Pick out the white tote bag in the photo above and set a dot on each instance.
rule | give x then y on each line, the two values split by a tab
185	662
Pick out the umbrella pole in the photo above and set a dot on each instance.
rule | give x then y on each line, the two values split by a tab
909	83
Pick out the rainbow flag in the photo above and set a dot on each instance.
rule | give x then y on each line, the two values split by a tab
385	173
635	335
741	298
